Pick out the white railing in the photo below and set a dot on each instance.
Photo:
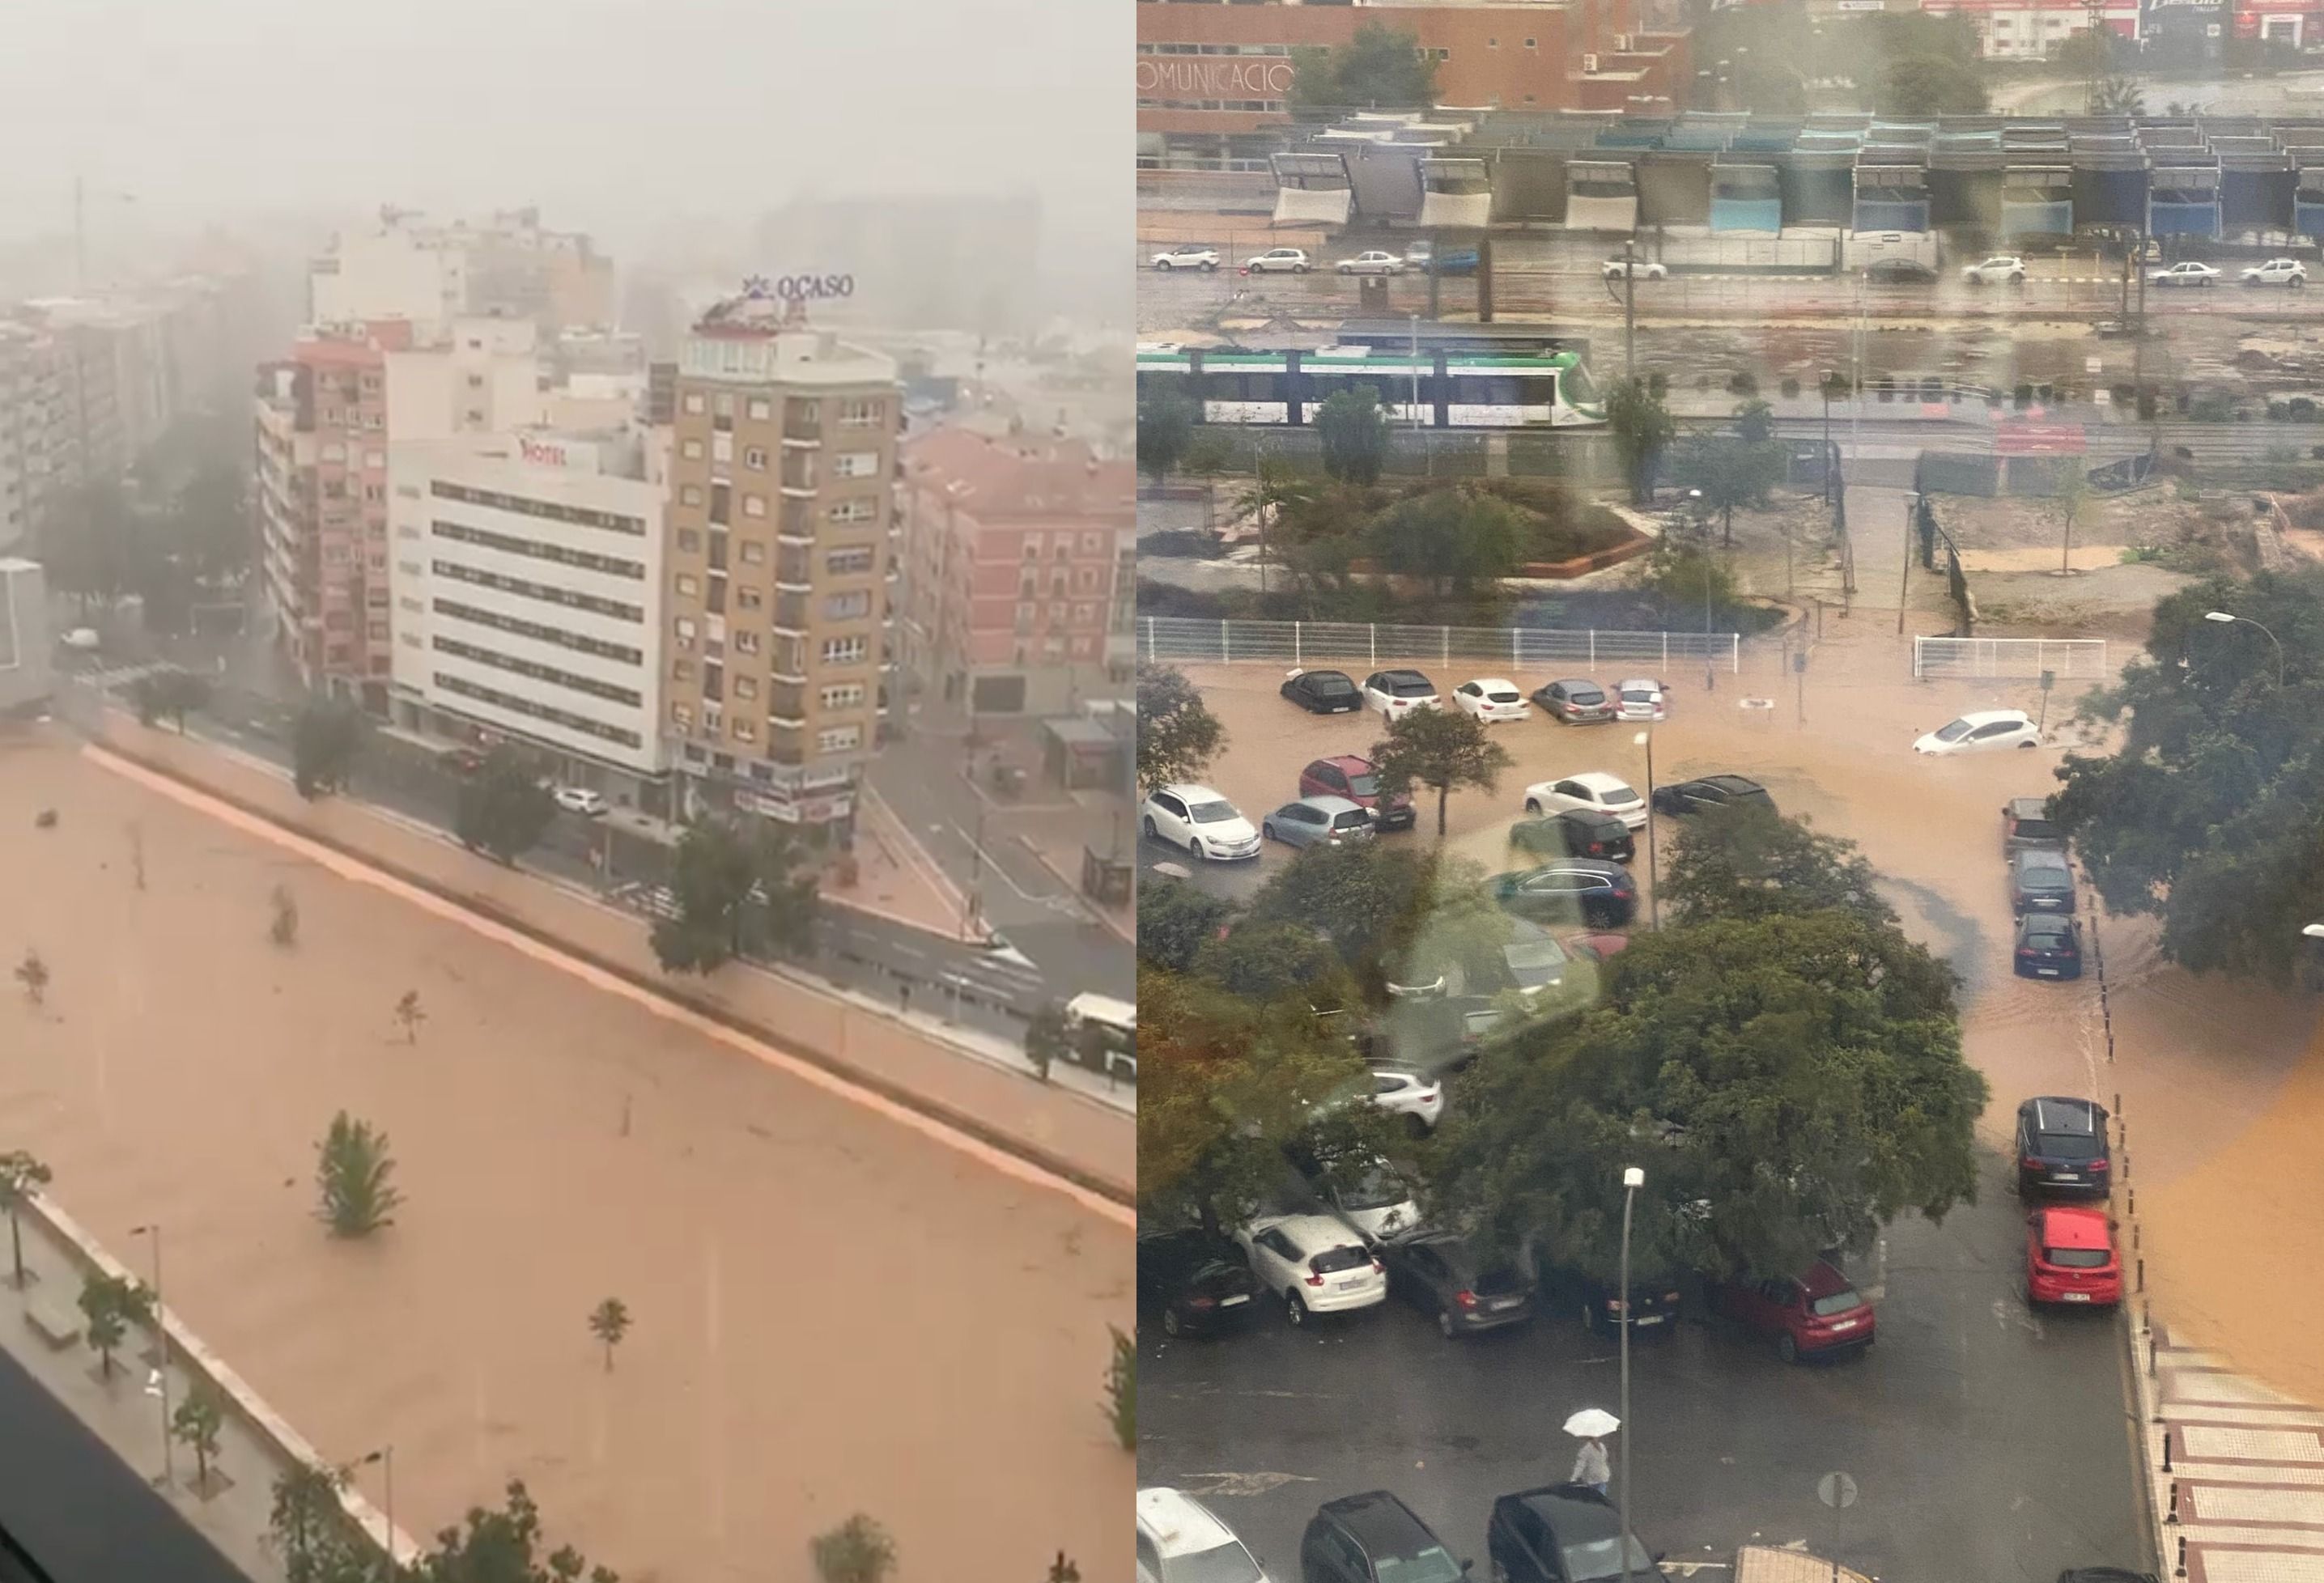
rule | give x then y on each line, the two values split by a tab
2082	659
1194	640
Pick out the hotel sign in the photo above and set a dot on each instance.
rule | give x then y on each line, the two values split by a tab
1212	77
576	455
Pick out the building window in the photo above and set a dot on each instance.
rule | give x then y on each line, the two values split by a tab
845	650
755	505
761	409
589	687
689	587
690	494
839	739
748	598
686	627
861	413
681	670
722	447
746	643
753	555
842	563
746	687
693	402
855	511
755	457
689	540
683	713
691	450
722	404
850	696
847	607
855	465
744	731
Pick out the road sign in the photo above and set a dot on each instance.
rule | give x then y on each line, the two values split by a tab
2049	680
1836	1490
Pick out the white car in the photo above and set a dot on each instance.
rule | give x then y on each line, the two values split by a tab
579	799
1277	260
2002	268
1191	256
1373	262
1313	1263
1182	1540
1593	788
1409	1092
1377	1202
2277	271
1200	821
1491	698
1643	269
1975	734
2190	274
1419	254
1389	694
1641	698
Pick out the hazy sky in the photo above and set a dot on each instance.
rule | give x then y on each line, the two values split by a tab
611	114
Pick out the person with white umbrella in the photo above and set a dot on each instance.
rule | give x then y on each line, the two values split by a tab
1591	1464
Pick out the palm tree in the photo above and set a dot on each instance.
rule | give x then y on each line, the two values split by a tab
20	1177
352	1172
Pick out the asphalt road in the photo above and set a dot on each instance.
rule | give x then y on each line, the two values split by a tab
1988	1442
80	1513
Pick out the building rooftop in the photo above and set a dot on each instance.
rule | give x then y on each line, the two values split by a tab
995	477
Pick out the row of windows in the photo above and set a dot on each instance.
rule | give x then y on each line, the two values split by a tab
612	521
527	707
840	563
611	565
854	511
1250	107
540	633
854	413
540	590
540	673
1277	50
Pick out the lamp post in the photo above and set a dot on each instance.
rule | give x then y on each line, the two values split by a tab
161	1351
385	1458
1633	1179
1645	739
2224	617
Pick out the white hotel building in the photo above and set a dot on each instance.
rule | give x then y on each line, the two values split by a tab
527	585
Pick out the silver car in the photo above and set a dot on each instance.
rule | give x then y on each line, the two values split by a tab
1318	821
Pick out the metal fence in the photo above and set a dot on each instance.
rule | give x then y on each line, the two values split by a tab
2010	658
1200	641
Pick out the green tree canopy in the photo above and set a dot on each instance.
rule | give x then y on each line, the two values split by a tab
1175	920
1642	429
1177	734
1165	428
1439	748
1379	69
1750	862
741	888
503	1547
1353	428
325	740
503	808
1451	538
1730	472
1371	898
1268	960
1922	85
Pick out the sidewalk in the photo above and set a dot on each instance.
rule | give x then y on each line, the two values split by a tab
2237	1469
1058	842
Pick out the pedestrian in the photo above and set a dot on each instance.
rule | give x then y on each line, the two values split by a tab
1590	1467
904	994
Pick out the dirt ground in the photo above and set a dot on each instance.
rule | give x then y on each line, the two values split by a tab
2222	1085
830	1312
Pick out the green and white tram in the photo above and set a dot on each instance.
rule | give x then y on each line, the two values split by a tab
1444	387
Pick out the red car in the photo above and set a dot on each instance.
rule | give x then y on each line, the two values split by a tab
1599	947
1351	777
2069	1256
1817	1314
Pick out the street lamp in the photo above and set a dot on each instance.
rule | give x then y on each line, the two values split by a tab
1645	739
1633	1179
385	1458
161	1351
2224	617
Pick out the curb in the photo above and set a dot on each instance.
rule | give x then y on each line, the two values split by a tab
1090	910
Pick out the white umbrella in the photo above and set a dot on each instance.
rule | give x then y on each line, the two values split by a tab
1592	1423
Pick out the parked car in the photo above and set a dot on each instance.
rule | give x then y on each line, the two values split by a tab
1418	252
1391	693
581	800
2026	826
2277	271
2070	1257
1439	1273
1202	1282
2047	947
1371	261
2062	1147
1322	692
1313	1263
1596	947
1564	1533
1534	962
1200	820
1575	700
1372	1198
1460	262
1899	271
460	762
1642	698
1374	1538
1588	890
1347	776
1317	821
2002	268
1977	733
1411	1092
2190	274
1643	269
1817	1314
1593	789
1490	699
1710	793
1652	1305
1575	832
1278	260
1182	1540
2040	882
1189	256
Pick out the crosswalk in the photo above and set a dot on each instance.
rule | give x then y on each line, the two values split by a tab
112	678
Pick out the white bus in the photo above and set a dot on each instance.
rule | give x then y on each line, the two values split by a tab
1116	1022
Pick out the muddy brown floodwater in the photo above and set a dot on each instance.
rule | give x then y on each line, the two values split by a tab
2221	1084
830	1311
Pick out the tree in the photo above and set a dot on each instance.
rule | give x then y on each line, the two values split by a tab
325	741
21	1176
1121	1390
1750	862
741	890
409	1015
84	545
1730	472
1755	421
1379	69
499	1547
1263	959
1166	426
2117	95
1923	86
1369	900
1174	921
1353	426
1177	734
1046	1037
170	692
311	1530
284	928
33	974
1689	577
196	1423
352	1172
1062	1570
1790	1083
1642	429
1453	538
859	1550
1210	455
111	1304
609	1322
1439	748
2073	491
503	808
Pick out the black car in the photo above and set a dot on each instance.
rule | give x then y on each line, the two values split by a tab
1710	792
2026	826
1200	1283
1440	1275
1322	692
1575	832
2041	882
1652	1306
1374	1538
2048	947
1563	1533
1900	269
1589	890
2062	1147
1575	700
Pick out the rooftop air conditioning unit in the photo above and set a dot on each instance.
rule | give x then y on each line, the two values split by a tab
1624	42
1588	64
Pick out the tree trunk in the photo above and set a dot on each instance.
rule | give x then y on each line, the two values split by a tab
16	1247
1443	795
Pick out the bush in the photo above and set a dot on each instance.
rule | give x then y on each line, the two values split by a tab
1790	387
